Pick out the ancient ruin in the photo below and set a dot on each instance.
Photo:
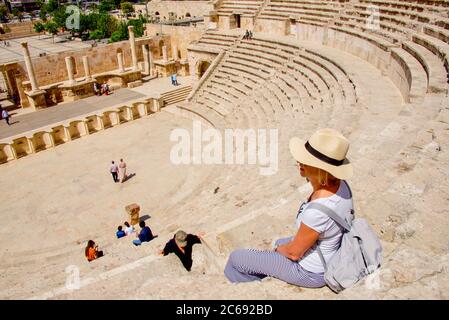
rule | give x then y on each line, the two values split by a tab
376	70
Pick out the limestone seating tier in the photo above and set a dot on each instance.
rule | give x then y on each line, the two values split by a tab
318	11
175	95
217	40
227	239
436	73
240	6
288	75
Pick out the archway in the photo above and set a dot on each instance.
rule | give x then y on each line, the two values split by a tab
202	67
187	15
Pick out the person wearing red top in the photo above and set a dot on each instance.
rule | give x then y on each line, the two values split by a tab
92	252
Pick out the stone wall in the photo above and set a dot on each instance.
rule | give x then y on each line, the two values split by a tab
181	36
181	8
17	30
275	27
196	58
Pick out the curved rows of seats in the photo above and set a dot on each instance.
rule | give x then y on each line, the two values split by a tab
414	36
295	82
216	40
251	97
240	6
406	24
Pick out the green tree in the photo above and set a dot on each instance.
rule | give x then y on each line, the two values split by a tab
51	28
43	15
51	6
3	13
121	33
60	17
106	24
40	3
96	35
18	14
122	30
138	26
38	27
105	6
127	8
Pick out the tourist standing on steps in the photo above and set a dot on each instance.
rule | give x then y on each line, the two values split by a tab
322	161
114	171
175	80
181	244
122	169
5	115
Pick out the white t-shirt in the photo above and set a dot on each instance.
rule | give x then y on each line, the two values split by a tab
129	230
330	231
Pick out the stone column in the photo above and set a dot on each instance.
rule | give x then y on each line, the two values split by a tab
146	59
150	63
132	43
69	65
86	68
174	50
120	62
164	53
29	66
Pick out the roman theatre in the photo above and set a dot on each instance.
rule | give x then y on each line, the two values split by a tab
374	69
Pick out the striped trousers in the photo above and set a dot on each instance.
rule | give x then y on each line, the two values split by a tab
246	265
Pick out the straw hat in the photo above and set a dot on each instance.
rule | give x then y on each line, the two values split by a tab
326	149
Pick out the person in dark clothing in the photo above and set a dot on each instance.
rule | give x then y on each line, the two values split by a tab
145	234
120	233
181	245
5	115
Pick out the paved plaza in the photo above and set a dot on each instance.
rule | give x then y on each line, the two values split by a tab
23	121
39	44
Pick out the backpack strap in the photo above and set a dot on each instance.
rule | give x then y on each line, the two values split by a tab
334	216
331	214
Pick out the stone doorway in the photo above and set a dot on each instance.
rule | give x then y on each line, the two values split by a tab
237	21
202	68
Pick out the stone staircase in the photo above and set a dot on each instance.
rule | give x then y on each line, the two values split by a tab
176	95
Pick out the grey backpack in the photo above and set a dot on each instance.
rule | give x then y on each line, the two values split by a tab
360	252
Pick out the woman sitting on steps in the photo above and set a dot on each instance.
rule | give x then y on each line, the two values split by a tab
322	161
